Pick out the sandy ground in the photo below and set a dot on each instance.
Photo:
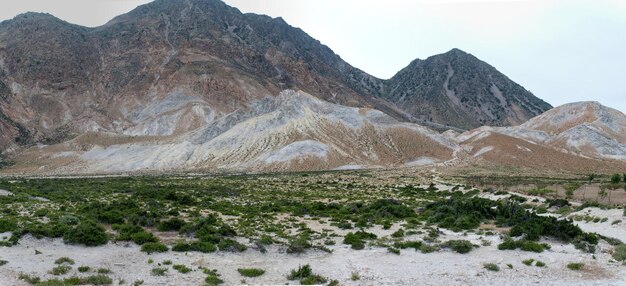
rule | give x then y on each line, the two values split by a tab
375	265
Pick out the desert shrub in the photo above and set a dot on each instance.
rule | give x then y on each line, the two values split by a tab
557	203
88	233
64	260
7	225
525	245
460	246
60	270
83	269
173	224
181	268
408	244
357	239
158	271
3	262
205	247
110	217
301	272
251	272
393	250
540	264
143	237
398	233
313	280
231	245
103	271
151	247
29	279
491	267
528	262
213	278
575	266
619	253
299	244
97	280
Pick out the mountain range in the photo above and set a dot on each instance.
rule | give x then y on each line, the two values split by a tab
179	85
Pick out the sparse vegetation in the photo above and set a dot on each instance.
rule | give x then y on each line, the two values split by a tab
181	268
491	267
575	266
158	271
251	272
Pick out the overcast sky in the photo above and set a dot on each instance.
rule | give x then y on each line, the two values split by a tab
562	51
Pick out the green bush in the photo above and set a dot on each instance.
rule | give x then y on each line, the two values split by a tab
301	272
575	266
152	247
460	246
200	246
83	269
60	270
357	239
158	271
3	262
251	272
181	268
619	253
540	264
88	233
7	225
143	237
64	260
174	224
491	267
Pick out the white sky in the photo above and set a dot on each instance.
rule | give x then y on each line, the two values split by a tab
561	50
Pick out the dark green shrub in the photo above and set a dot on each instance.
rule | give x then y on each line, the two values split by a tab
301	272
159	271
143	237
64	260
181	268
460	246
7	225
174	224
200	246
491	267
251	272
619	253
88	233
151	247
357	239
231	245
83	269
60	270
575	266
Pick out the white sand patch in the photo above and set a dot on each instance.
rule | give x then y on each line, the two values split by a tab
375	266
350	167
606	228
483	150
297	150
5	193
421	161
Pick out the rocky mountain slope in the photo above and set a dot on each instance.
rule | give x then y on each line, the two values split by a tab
292	131
460	90
172	66
579	136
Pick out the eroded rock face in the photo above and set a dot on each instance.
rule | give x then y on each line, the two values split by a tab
173	66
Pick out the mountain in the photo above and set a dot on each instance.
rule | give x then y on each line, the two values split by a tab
291	131
457	89
587	128
172	66
582	136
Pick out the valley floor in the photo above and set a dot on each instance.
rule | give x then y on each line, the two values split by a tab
283	222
